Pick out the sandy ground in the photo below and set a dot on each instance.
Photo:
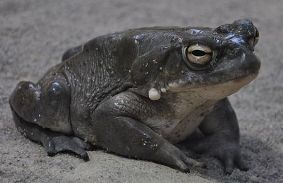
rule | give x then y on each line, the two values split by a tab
35	33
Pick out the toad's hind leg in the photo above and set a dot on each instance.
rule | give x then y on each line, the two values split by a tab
118	131
53	142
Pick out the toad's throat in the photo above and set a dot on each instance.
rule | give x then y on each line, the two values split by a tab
189	107
185	113
176	130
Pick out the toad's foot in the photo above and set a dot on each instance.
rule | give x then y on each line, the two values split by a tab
54	145
227	152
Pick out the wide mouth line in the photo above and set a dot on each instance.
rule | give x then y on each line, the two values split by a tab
187	89
17	115
21	119
22	123
237	78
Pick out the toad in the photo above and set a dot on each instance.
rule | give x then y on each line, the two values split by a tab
139	92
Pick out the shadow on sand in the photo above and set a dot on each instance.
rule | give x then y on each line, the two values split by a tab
264	163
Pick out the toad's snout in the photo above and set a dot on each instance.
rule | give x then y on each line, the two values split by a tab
24	101
240	32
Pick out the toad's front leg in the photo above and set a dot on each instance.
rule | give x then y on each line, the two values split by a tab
221	131
118	128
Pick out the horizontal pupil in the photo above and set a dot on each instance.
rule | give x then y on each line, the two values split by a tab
198	53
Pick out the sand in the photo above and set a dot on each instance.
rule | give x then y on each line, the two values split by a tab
34	34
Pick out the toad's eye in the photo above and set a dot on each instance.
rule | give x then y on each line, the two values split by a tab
55	89
54	94
198	56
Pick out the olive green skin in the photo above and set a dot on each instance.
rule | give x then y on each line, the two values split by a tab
100	93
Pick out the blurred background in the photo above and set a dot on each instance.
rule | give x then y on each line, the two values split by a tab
35	33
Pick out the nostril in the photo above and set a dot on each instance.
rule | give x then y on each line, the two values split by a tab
23	92
25	85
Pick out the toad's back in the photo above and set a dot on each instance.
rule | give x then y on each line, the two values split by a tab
102	67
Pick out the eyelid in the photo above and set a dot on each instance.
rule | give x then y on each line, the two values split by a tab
203	48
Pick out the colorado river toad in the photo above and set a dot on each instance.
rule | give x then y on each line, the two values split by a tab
137	93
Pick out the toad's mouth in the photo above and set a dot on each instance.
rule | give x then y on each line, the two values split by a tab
29	129
215	91
18	118
23	126
239	80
